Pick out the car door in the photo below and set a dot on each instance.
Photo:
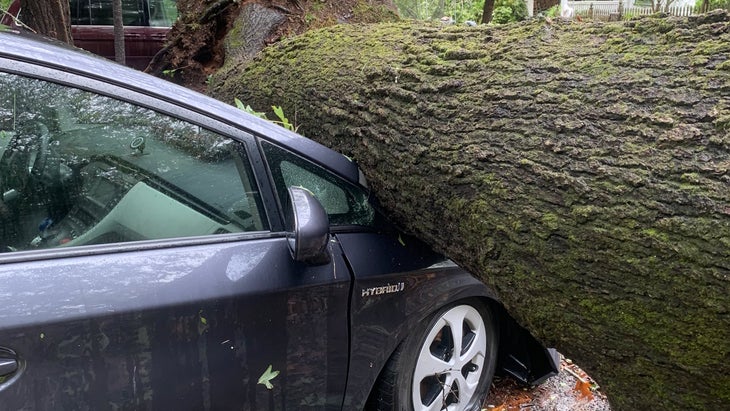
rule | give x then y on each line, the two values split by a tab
143	263
398	279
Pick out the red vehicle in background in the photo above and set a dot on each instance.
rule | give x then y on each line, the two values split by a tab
146	23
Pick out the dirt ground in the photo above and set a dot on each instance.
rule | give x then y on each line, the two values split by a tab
570	390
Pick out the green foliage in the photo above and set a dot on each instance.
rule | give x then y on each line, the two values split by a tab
171	72
508	11
502	15
712	4
553	11
248	109
459	10
283	121
468	11
278	112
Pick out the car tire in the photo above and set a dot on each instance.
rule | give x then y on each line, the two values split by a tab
426	372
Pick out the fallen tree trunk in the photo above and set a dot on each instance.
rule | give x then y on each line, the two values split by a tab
196	47
580	169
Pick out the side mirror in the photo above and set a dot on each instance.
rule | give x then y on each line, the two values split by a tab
309	237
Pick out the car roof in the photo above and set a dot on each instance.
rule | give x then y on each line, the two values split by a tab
60	56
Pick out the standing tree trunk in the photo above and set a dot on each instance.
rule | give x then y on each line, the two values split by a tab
119	54
583	170
50	18
487	11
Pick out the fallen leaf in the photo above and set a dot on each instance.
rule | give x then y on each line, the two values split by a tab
584	388
267	376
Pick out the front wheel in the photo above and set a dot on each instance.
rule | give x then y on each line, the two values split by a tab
446	365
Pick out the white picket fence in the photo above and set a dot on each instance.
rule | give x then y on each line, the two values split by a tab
609	10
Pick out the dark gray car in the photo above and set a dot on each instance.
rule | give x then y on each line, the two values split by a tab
163	250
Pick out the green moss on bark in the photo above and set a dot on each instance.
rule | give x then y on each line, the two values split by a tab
579	169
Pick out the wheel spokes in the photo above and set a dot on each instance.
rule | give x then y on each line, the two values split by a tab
450	363
455	320
429	365
466	389
433	392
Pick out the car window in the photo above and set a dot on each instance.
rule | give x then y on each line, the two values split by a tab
162	12
80	168
345	203
157	13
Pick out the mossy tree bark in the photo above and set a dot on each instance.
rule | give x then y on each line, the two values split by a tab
211	32
580	169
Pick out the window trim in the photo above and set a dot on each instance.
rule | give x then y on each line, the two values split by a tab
132	246
338	228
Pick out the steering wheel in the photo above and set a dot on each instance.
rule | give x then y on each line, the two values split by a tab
25	157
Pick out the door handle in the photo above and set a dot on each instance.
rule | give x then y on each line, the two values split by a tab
8	362
8	366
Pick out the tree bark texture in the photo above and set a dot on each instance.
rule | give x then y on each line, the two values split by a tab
487	11
50	18
211	32
119	52
580	169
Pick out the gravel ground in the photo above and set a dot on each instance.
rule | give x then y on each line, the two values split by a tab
570	390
